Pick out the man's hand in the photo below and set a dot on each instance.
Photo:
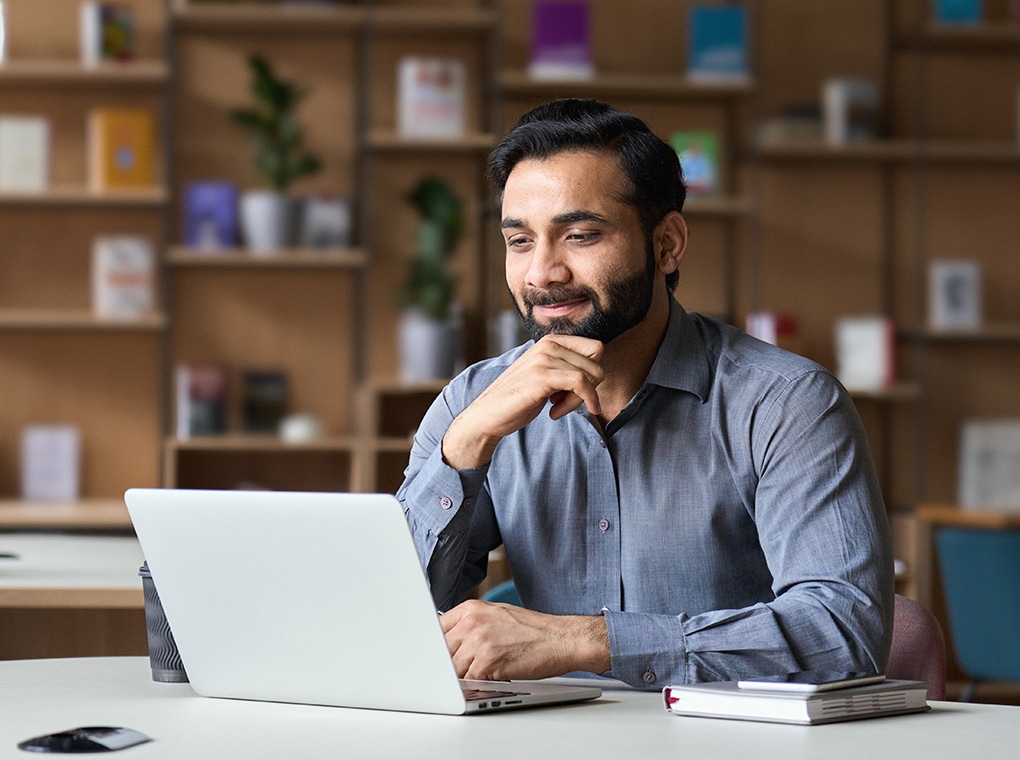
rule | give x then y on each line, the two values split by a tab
489	641
562	368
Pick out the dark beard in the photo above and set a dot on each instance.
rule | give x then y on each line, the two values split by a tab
627	304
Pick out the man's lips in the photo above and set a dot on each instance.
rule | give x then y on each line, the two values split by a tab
558	309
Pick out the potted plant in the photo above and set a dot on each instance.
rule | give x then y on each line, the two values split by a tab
429	329
268	215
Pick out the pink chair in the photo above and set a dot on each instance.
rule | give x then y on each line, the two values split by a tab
918	647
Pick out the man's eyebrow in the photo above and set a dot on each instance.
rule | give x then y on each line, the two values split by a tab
571	217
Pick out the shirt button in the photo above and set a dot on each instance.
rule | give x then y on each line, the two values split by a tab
446	502
602	443
603	525
649	676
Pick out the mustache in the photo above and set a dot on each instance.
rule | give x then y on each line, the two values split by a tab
537	297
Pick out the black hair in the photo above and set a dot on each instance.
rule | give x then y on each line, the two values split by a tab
651	166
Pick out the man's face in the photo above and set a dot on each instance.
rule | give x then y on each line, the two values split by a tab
577	259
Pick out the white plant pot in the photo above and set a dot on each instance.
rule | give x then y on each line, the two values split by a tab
267	221
428	347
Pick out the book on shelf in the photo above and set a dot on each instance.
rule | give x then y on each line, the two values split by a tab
779	329
3	32
725	699
699	155
561	40
431	97
263	400
865	352
201	397
849	110
209	210
958	11
123	276
107	32
717	43
24	153
954	294
989	465
50	462
121	149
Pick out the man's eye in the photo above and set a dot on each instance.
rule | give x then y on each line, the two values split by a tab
583	237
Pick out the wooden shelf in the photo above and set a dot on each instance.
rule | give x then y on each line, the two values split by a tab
235	18
390	141
263	443
413	20
66	319
290	258
991	333
88	514
948	514
900	392
719	206
63	72
966	38
994	153
636	85
80	196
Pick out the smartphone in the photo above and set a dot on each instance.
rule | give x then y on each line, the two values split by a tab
85	739
809	681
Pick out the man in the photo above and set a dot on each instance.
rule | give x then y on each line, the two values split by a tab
678	502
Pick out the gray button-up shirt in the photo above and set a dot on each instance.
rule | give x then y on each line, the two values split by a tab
727	523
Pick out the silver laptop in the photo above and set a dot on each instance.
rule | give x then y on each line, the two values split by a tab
311	598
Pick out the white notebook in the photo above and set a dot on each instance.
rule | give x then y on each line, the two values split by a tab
312	598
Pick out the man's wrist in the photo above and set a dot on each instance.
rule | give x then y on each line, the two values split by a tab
464	449
590	645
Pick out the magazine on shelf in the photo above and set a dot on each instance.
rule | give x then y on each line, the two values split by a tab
990	465
700	161
717	43
726	699
865	352
24	153
123	276
122	149
849	110
431	97
561	40
201	391
107	32
210	215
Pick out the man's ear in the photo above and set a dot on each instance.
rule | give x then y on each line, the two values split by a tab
670	239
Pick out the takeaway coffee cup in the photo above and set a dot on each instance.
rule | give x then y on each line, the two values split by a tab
164	659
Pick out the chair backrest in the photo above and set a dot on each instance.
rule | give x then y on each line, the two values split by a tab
980	572
918	647
505	592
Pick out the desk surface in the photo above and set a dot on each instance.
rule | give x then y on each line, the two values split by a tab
70	571
42	696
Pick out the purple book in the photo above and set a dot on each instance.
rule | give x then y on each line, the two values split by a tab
210	215
561	39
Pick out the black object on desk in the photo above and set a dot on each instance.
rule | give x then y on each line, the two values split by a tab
85	739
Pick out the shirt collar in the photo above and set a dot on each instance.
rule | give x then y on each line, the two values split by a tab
682	360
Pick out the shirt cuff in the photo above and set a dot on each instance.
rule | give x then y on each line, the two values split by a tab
647	651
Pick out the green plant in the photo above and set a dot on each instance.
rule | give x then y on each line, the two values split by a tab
277	140
429	286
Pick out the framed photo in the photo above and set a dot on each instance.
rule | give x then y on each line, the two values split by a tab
954	295
990	465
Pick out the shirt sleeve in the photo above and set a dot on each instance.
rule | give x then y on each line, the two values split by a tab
448	511
823	528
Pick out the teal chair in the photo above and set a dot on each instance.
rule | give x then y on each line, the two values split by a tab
505	592
980	571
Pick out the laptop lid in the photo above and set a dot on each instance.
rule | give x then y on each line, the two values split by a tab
314	598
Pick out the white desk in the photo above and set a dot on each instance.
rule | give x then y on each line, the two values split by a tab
70	571
42	696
